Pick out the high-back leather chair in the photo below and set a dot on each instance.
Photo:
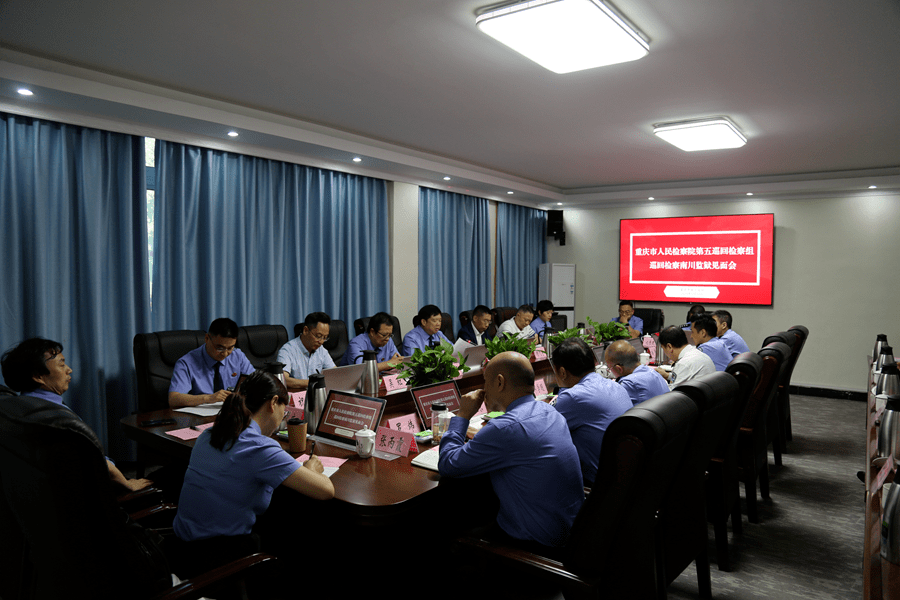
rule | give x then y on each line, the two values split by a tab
559	322
361	325
784	394
722	483
447	327
683	512
611	551
503	313
155	355
753	456
776	417
653	318
261	343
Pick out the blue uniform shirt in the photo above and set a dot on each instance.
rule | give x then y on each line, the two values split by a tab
533	467
354	353
418	338
716	350
538	325
634	322
734	342
298	361
194	373
224	491
643	383
589	407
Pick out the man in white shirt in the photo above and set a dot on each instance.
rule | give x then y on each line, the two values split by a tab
519	325
689	362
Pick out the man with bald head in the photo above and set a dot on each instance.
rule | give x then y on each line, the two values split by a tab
640	381
527	451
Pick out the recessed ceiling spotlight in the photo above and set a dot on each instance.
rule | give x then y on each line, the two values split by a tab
357	159
749	193
446	179
25	92
233	134
873	187
713	133
565	35
651	198
510	193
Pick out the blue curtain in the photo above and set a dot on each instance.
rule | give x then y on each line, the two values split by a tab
521	247
264	242
454	251
75	261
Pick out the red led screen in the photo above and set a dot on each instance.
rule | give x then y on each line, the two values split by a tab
723	259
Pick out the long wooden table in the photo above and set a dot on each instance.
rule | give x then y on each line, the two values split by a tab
369	488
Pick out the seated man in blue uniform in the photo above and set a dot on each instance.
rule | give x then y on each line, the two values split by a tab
527	452
378	338
207	374
306	355
427	333
626	316
37	368
587	400
640	381
541	321
703	331
734	342
475	332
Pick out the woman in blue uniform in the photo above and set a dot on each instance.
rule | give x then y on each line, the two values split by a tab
235	465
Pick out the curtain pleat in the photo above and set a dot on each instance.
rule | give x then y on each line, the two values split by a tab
521	248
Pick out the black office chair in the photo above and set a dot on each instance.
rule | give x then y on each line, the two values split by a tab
503	313
447	327
559	322
70	539
653	318
261	343
338	340
155	355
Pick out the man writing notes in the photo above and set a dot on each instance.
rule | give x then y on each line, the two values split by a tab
635	325
734	342
640	381
208	373
689	362
527	452
703	330
475	332
519	325
427	332
305	355
377	337
587	400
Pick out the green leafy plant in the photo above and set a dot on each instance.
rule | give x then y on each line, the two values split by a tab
433	365
607	332
508	342
557	338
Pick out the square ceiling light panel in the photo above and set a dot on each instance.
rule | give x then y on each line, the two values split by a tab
565	35
714	133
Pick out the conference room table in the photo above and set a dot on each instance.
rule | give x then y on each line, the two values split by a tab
371	490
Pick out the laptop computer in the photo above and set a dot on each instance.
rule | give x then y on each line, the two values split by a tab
426	395
344	379
346	413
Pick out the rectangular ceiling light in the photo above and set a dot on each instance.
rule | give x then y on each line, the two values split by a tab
565	35
714	133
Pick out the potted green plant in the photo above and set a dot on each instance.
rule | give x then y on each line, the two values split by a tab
433	365
607	332
557	338
508	342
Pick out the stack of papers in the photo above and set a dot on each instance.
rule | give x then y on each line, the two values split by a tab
202	410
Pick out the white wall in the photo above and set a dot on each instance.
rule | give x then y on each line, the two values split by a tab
403	199
836	264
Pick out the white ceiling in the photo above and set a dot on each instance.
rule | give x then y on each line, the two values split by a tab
419	92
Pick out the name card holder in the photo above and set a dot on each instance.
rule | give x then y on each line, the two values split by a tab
394	442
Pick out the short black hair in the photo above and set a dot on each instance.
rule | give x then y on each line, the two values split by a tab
525	308
223	327
626	302
27	360
312	320
673	335
693	311
379	319
426	312
575	355
481	309
724	316
705	322
544	305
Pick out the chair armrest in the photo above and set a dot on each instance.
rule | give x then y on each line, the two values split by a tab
132	501
156	514
195	586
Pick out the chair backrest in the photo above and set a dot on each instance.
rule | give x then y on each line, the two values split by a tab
338	340
465	317
261	343
774	355
503	313
5	391
653	318
155	355
361	324
612	538
800	334
447	327
55	484
746	368
559	322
